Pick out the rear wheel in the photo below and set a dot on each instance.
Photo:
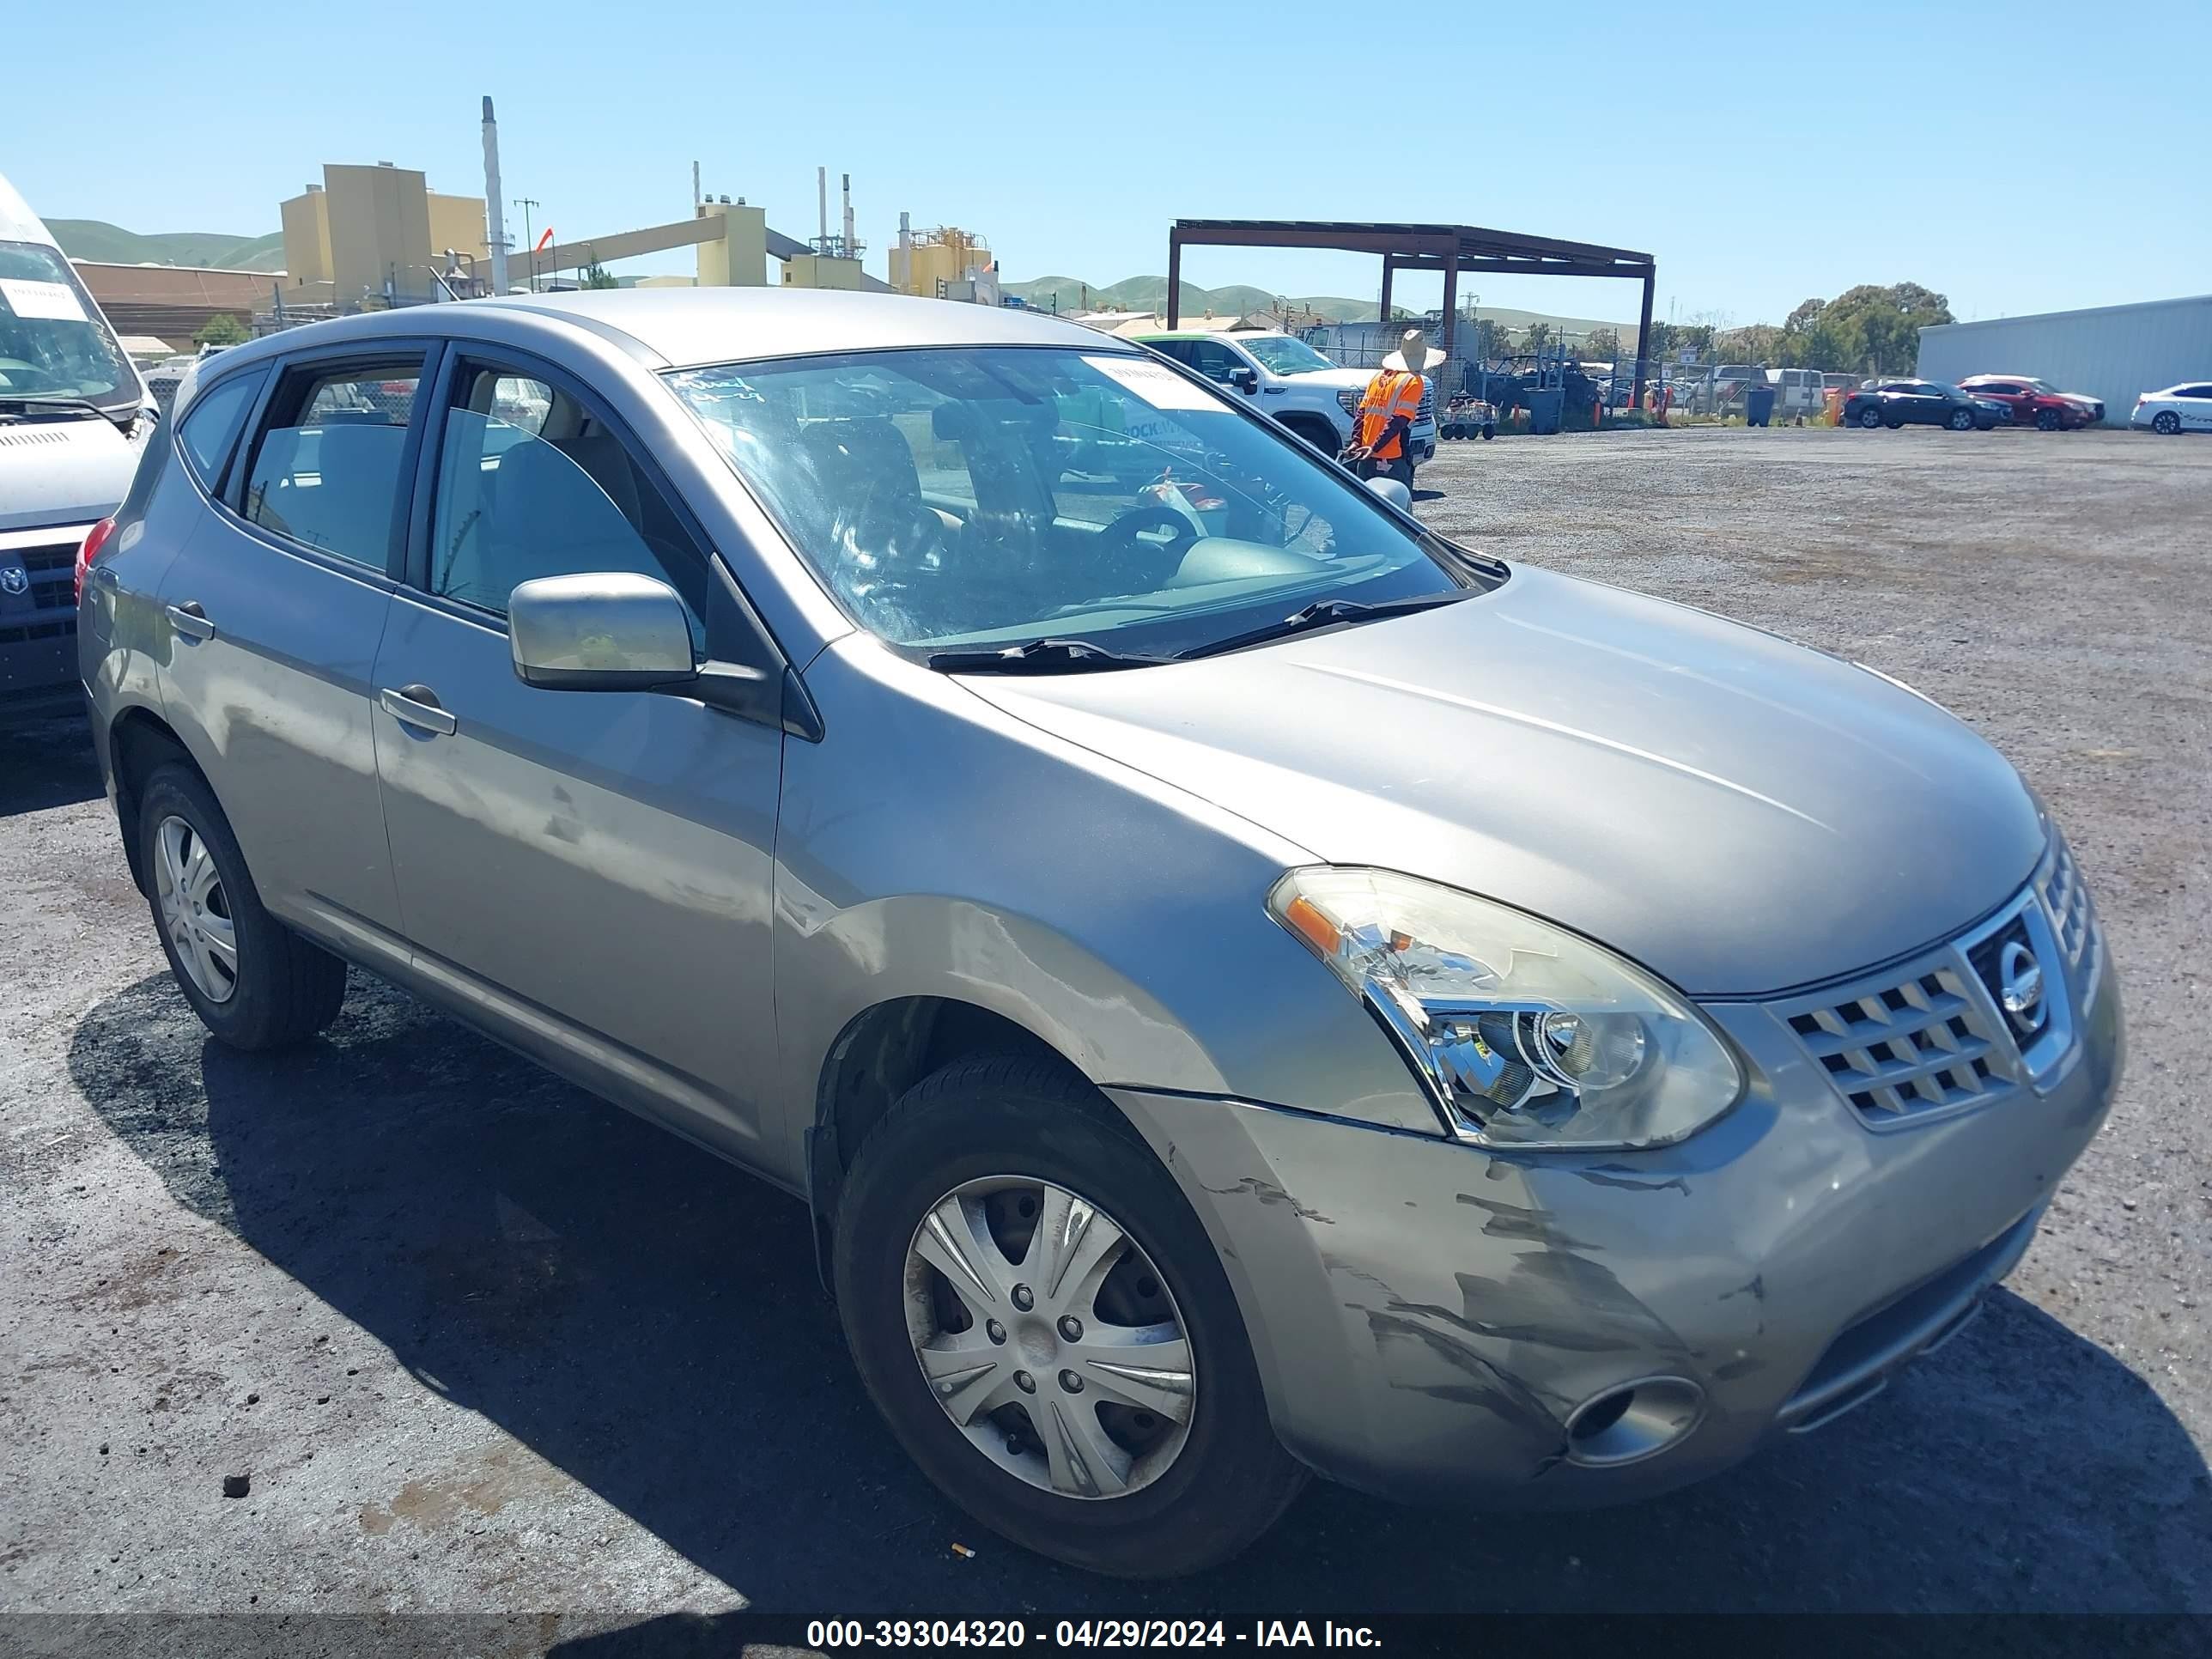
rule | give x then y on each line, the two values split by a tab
1047	1328
2166	422
254	982
1870	418
1892	421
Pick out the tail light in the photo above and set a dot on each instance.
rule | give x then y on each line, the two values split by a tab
95	539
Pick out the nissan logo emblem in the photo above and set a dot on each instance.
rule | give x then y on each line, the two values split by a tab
2020	986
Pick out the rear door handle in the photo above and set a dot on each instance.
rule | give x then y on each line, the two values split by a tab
190	621
416	706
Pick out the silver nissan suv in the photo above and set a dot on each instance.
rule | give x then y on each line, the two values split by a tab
1245	986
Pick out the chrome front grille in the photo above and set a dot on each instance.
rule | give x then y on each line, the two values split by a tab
1934	1036
1911	1042
2066	896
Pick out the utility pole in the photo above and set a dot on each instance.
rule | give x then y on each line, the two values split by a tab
528	204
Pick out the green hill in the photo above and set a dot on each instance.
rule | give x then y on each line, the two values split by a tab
95	239
1150	293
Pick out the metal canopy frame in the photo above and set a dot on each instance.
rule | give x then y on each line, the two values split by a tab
1448	248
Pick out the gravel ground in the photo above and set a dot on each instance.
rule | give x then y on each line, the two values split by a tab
480	1343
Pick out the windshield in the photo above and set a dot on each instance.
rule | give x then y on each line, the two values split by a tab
989	496
53	341
1282	354
2044	387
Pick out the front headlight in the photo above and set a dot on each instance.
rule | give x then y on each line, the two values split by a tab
1525	1035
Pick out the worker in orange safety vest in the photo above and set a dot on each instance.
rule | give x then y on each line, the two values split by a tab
1382	430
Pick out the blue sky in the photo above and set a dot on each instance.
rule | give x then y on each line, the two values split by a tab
2018	157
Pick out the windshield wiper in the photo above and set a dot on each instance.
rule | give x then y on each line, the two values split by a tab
20	403
1047	656
1326	613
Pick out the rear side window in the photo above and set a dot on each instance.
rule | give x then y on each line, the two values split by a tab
210	426
325	469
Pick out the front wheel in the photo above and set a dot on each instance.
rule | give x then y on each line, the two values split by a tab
2166	422
1048	1329
2047	420
1962	420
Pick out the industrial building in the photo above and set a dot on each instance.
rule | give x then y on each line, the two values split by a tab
944	264
375	231
2113	352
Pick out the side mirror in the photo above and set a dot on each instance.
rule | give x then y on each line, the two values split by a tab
609	632
1393	492
1245	381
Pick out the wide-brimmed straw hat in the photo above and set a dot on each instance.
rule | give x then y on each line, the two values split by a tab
1413	353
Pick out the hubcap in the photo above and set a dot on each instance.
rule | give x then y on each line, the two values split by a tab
195	910
1096	1414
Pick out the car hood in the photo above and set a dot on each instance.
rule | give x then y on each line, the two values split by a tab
62	471
1740	814
1356	378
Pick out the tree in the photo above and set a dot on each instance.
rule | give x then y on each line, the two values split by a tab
596	275
1537	336
1603	344
1877	330
222	330
1493	339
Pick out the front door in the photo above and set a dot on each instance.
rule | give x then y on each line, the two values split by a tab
275	609
587	872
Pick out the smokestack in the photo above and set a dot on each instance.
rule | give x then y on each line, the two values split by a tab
906	231
495	229
821	201
694	188
849	214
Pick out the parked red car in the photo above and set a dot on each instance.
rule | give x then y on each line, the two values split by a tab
2035	402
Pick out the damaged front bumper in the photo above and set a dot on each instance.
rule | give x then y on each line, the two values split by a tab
1441	1323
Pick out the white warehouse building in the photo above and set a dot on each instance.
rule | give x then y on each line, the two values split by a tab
2115	353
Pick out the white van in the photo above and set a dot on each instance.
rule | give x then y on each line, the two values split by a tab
1796	390
74	416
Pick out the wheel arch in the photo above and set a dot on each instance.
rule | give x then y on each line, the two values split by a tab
884	1050
138	740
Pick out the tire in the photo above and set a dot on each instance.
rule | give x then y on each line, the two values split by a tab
2165	423
1489	431
1003	1119
1869	418
1962	420
2048	420
278	990
1320	436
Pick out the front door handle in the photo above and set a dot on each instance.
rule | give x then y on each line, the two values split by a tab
190	621
416	706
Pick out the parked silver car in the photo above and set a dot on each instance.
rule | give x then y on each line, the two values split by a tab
1244	986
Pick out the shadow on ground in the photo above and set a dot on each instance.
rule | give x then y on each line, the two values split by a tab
648	1320
46	761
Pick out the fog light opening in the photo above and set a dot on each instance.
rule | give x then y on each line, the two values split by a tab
1634	1420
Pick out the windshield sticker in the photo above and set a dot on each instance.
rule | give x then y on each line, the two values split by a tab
54	300
1154	384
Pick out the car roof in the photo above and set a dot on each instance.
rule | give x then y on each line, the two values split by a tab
1204	334
675	328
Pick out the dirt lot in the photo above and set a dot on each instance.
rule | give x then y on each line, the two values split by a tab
482	1343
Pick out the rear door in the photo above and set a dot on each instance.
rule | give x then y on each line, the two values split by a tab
587	874
274	611
2194	403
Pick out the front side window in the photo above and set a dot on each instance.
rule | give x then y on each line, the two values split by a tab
1283	356
211	426
325	469
987	496
53	341
532	483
